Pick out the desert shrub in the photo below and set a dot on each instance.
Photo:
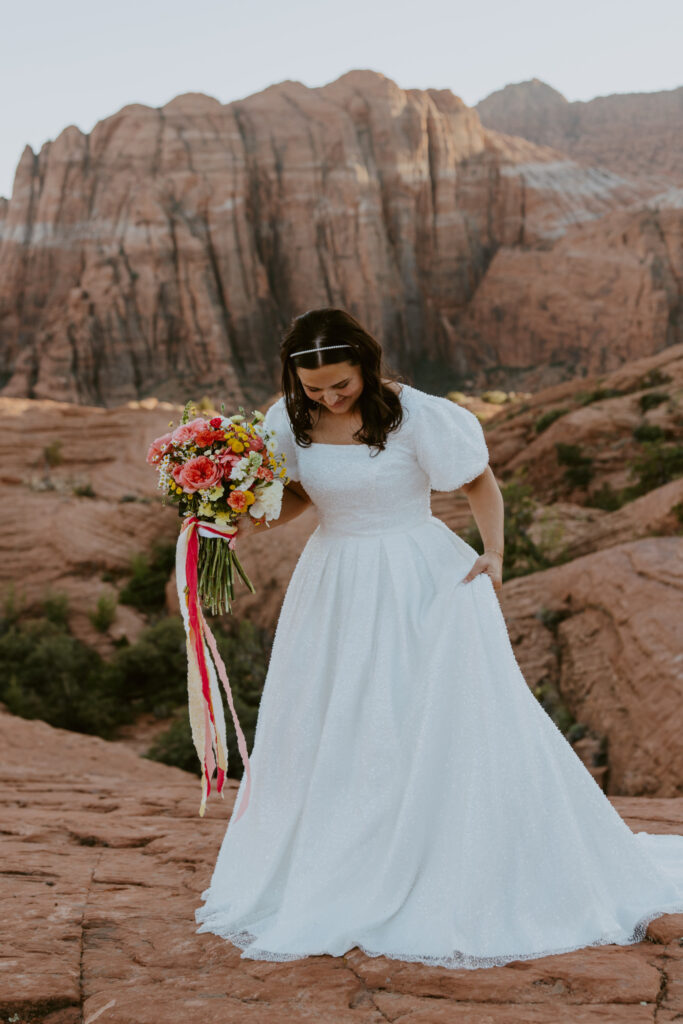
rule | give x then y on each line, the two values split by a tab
651	400
607	498
597	395
52	453
55	608
151	674
649	432
546	419
83	490
105	612
579	467
51	675
146	589
658	464
652	379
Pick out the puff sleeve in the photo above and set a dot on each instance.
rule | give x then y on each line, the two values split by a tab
282	441
448	442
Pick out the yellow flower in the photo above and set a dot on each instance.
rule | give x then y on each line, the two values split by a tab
237	446
249	497
282	472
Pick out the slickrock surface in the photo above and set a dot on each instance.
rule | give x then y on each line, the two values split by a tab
602	429
633	133
103	860
166	250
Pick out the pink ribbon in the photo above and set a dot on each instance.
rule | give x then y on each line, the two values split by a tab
199	632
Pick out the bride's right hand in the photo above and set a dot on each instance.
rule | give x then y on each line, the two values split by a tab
246	525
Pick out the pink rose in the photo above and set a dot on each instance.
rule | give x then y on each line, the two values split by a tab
197	474
158	448
237	500
188	431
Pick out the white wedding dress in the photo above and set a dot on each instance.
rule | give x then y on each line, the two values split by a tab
410	796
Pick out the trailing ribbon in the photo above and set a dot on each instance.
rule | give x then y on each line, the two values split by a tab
207	719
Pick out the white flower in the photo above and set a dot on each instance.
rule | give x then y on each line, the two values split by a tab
214	493
258	416
268	500
240	469
237	418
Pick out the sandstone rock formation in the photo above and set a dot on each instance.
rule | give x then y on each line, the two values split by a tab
103	863
639	134
164	252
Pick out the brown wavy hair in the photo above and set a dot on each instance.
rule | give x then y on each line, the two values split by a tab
380	407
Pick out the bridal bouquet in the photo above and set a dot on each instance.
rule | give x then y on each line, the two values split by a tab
217	471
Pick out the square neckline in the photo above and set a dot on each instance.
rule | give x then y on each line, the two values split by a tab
351	444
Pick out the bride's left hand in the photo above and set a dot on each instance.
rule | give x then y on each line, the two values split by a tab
490	563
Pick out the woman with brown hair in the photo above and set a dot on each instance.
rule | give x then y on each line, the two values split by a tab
410	796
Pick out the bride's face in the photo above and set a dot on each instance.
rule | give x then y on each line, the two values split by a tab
336	386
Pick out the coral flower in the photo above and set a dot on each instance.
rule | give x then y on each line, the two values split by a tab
197	474
238	500
188	431
158	448
203	438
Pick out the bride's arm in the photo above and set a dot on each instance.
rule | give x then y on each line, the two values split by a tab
486	503
295	500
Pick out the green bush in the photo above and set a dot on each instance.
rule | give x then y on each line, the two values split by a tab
651	400
658	465
151	674
104	613
598	395
547	418
84	490
146	589
49	674
652	379
52	453
55	608
649	432
607	498
579	467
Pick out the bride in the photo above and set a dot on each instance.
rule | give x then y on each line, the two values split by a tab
410	796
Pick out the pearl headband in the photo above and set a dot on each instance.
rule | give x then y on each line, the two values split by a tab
320	348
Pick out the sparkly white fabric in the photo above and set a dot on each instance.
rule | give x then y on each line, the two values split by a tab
410	796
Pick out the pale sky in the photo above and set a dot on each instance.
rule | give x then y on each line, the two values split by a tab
76	62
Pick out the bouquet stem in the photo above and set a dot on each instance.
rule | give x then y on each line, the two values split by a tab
216	575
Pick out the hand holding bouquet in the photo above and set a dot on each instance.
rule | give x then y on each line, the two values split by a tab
217	471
